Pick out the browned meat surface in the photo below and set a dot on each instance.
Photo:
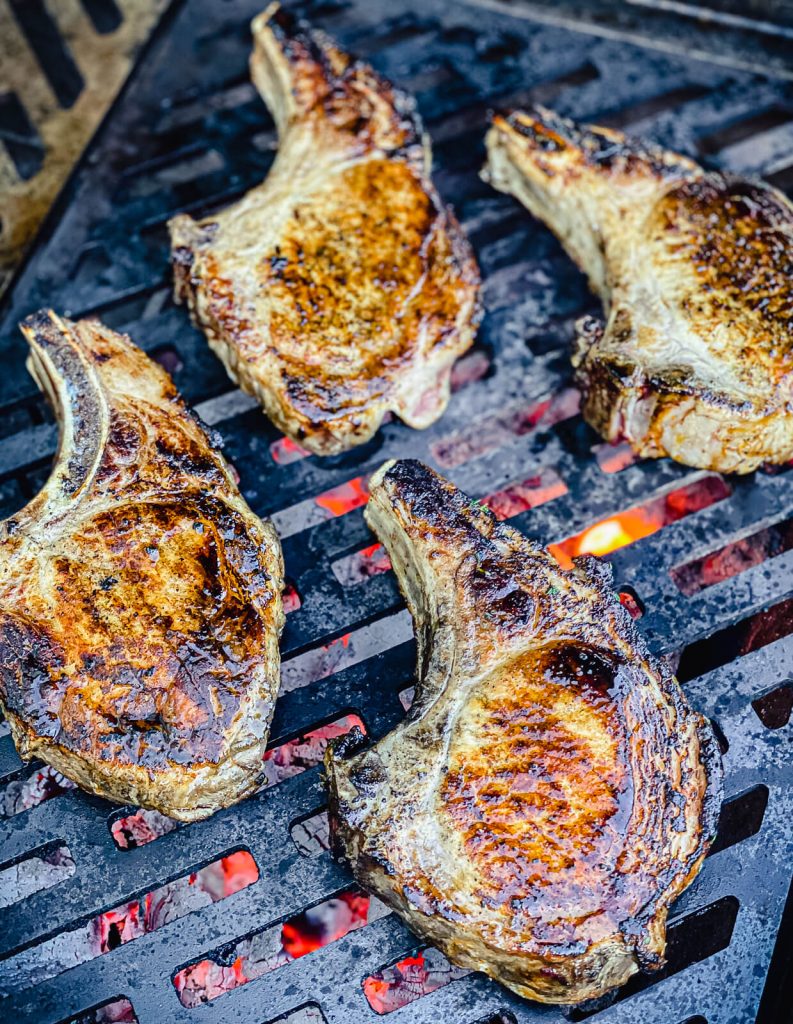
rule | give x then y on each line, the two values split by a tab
695	271
140	598
550	792
340	289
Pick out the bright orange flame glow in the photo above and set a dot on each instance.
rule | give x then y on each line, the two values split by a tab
618	531
239	871
285	450
377	988
345	497
343	640
607	535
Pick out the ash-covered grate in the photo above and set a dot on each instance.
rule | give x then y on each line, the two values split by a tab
247	910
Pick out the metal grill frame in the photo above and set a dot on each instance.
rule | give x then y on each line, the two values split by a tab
104	251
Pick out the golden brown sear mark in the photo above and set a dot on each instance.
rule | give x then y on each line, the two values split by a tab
536	780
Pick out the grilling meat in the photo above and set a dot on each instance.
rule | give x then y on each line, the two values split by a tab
341	288
695	272
140	600
550	792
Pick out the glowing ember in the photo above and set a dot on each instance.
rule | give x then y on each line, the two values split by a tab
408	980
38	787
734	558
285	451
530	493
129	921
311	511
118	1011
266	951
295	756
627	527
361	565
351	649
290	598
344	498
354	569
282	762
613	458
493	431
139	828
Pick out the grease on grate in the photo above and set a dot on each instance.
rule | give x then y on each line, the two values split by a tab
538	489
138	828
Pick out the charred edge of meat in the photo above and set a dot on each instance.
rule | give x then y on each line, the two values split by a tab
298	40
601	148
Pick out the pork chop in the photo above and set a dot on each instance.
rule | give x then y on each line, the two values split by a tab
695	271
340	289
550	792
140	598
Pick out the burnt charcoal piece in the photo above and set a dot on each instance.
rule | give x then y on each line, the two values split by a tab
140	602
341	289
694	270
550	792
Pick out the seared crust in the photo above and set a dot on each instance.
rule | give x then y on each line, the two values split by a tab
550	792
695	359
140	598
341	288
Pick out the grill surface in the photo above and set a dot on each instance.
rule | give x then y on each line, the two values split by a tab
190	134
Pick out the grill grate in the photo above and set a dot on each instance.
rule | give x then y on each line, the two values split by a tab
189	133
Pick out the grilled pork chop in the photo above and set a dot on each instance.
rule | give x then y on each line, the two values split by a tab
695	271
341	288
140	601
550	792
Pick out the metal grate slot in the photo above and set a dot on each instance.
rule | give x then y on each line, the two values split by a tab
690	941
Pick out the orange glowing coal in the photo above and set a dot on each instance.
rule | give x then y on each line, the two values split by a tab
345	497
379	988
239	871
618	531
608	535
285	450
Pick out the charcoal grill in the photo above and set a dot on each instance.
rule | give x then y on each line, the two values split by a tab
188	133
